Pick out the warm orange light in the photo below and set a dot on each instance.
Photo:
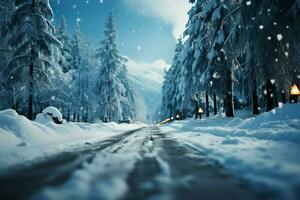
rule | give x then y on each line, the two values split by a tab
295	90
200	110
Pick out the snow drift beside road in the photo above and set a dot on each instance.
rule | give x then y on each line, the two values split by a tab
22	140
263	150
279	124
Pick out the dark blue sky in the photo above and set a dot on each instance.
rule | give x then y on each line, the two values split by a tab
141	37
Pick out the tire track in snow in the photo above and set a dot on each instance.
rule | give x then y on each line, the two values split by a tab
21	183
170	170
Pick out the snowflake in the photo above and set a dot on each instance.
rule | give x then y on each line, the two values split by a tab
286	54
261	27
248	3
279	37
269	38
139	48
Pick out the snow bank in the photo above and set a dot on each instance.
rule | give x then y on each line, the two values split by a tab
263	150
279	124
22	140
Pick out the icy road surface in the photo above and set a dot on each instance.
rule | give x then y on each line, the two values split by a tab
140	164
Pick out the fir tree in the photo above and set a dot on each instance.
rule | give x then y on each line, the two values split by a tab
62	36
111	88
35	47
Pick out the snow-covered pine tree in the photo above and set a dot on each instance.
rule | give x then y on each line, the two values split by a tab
166	105
6	10
191	59
79	72
272	61
128	96
252	43
172	91
110	89
178	80
62	36
220	65
35	47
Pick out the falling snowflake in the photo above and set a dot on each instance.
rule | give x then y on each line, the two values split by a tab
261	27
248	3
269	38
286	54
279	37
139	48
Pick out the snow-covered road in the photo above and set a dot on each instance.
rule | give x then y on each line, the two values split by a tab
140	164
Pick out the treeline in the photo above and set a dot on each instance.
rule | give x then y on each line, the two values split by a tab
41	66
235	54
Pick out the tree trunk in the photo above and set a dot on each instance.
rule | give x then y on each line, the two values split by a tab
86	115
68	115
270	96
283	97
275	95
30	93
207	104
255	109
196	109
215	104
229	95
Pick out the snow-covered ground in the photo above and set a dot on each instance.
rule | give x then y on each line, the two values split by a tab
263	150
23	141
